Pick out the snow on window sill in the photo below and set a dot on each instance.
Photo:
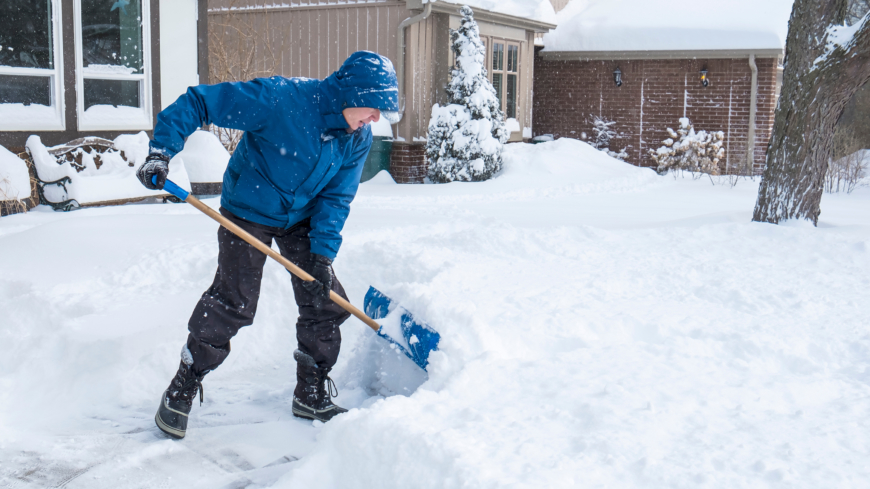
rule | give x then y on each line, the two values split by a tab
108	69
108	117
34	117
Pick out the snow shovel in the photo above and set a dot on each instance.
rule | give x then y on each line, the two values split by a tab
413	338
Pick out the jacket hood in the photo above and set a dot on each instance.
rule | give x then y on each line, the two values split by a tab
366	79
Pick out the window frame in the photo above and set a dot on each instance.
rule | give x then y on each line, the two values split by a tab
490	43
55	75
145	97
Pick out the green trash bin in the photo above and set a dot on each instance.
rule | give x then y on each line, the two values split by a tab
379	157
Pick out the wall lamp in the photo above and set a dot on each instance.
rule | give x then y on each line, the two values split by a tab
704	80
617	77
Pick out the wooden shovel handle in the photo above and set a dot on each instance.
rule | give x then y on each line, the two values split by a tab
292	268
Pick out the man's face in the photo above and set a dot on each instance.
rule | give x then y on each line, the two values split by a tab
357	117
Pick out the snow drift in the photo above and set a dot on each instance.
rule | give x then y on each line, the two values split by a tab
601	327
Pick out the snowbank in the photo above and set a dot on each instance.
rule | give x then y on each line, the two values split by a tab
14	177
100	177
541	10
601	327
641	25
204	157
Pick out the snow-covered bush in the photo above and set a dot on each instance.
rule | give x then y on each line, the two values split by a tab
848	172
466	137
688	150
604	133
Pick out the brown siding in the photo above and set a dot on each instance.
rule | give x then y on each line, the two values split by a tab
420	90
654	95
311	41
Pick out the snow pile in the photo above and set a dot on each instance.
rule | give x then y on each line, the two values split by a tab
601	326
688	150
382	128
641	25
465	137
541	10
204	157
14	177
99	177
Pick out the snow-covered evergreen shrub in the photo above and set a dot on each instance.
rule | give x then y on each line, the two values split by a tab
603	134
688	150
466	137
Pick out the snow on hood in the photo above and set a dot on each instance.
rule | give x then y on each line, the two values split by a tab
541	10
365	79
641	25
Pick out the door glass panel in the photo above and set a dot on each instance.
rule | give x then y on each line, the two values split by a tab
25	90
497	56
496	83
26	34
112	34
511	96
513	52
111	92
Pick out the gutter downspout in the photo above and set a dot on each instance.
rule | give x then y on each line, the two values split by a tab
400	70
753	106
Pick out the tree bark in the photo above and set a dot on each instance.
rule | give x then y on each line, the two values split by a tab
819	78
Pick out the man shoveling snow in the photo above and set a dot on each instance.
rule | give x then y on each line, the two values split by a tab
291	179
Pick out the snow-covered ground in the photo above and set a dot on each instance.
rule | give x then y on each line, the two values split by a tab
601	326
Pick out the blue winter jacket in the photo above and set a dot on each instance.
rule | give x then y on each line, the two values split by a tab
295	159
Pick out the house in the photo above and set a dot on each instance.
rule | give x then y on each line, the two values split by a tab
81	73
76	68
647	64
311	38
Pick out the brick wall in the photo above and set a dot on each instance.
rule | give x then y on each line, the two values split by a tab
653	96
408	162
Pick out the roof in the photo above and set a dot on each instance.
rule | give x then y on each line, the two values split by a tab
540	10
632	27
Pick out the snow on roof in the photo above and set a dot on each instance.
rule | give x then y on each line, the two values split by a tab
541	10
679	25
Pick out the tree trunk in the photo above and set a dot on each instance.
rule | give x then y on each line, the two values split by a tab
823	68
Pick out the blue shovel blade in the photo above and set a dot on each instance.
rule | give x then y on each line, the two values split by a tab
418	338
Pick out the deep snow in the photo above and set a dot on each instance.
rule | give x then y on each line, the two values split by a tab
601	326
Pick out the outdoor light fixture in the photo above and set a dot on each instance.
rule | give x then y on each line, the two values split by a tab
704	80
617	77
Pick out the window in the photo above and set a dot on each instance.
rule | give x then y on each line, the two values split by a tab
31	85
505	75
113	57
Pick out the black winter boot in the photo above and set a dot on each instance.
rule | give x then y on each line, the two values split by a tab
177	400
312	398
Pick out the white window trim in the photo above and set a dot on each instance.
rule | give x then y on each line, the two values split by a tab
10	113
504	71
142	119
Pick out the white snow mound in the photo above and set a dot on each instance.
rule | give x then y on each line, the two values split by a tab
601	326
14	177
204	157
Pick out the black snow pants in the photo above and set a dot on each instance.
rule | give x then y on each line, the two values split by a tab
231	301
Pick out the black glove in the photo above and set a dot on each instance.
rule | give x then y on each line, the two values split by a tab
155	164
320	268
